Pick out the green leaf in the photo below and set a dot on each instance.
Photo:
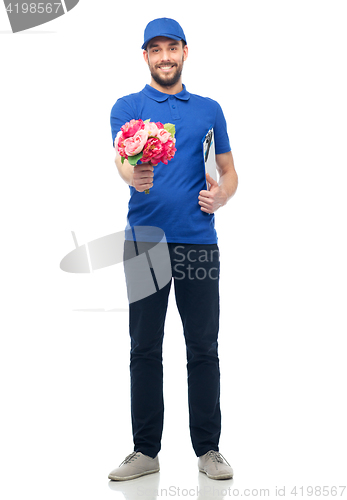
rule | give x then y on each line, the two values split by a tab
147	121
170	128
134	159
122	159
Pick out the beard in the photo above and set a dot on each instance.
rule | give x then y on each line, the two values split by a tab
169	80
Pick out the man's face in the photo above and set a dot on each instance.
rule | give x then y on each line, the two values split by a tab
165	58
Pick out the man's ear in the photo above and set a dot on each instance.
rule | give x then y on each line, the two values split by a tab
145	56
185	52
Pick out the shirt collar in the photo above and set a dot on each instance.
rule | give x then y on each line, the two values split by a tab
154	94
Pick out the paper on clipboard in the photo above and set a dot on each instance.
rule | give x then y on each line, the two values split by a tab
209	156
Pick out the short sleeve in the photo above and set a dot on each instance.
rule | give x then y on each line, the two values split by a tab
222	143
121	113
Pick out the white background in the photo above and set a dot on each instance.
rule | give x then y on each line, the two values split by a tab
278	70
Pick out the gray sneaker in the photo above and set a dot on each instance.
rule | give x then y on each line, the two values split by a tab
135	465
214	465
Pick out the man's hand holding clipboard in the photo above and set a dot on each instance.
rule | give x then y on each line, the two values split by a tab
214	196
209	157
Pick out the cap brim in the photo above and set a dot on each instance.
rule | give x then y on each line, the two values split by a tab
167	35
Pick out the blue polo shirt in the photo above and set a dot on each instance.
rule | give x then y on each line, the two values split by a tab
172	203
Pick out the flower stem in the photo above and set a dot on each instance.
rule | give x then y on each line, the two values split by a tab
147	191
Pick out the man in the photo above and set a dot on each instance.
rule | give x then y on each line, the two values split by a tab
183	208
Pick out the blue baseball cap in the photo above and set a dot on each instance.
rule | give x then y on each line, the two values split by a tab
163	27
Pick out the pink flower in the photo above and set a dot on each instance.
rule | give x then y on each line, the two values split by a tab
134	145
129	129
163	135
152	129
159	125
153	150
119	144
118	136
169	151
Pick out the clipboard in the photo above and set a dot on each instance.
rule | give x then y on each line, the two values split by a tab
209	156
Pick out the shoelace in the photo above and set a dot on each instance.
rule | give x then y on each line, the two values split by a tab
129	458
217	457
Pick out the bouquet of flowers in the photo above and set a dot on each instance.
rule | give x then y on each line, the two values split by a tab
146	141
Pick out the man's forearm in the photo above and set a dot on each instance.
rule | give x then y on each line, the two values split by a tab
139	177
126	171
228	182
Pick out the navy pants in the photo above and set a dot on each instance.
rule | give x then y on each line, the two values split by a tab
195	272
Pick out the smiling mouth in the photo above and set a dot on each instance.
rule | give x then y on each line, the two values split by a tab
166	67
